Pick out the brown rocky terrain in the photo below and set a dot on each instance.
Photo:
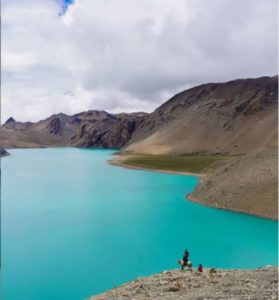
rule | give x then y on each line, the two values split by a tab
53	131
235	117
87	129
247	183
103	130
177	285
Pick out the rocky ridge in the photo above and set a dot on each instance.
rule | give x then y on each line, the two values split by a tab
97	129
235	117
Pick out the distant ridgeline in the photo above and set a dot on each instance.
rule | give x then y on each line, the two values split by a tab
87	129
234	117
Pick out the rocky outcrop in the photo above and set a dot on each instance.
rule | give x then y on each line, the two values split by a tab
10	120
235	117
257	284
103	130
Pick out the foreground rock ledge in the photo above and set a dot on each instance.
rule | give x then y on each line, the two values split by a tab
224	284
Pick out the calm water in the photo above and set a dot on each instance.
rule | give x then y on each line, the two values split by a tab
73	226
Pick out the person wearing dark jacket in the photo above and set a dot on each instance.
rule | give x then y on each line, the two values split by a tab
184	262
186	257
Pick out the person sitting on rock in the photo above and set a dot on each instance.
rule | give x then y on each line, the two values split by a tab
200	268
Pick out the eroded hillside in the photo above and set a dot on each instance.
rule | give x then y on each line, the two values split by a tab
234	117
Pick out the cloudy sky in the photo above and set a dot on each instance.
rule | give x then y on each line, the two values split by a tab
127	55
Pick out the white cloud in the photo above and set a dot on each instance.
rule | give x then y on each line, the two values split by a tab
127	55
16	62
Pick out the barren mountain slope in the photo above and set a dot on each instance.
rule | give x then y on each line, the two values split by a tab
53	131
87	129
234	117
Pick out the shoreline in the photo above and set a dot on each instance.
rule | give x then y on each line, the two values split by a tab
191	198
119	161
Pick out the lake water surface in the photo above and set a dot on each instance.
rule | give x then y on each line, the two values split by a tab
74	226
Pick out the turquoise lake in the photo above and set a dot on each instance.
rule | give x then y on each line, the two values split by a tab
74	226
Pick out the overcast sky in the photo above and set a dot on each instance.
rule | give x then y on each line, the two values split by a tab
127	55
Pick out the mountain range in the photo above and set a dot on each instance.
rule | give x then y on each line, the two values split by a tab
87	129
237	118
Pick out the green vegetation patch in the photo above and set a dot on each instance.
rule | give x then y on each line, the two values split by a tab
180	163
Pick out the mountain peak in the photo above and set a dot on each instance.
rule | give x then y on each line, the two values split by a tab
10	120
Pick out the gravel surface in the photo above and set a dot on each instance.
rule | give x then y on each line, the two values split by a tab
256	284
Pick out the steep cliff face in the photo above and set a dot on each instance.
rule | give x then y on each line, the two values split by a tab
235	117
104	130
